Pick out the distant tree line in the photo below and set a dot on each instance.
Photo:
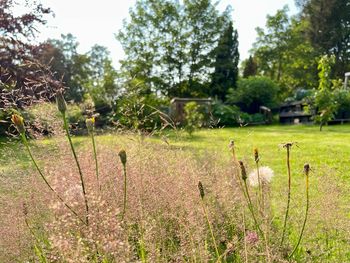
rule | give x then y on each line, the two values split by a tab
176	49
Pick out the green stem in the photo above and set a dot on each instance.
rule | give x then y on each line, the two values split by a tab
211	230
260	187
78	165
288	201
96	161
251	208
25	142
305	219
124	201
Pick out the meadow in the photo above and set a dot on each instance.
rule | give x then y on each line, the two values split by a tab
164	219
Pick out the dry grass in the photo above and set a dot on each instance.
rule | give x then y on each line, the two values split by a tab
164	221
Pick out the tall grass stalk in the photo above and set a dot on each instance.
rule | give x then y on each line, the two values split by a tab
257	159
205	212
18	122
288	146
249	201
122	156
306	171
62	107
90	124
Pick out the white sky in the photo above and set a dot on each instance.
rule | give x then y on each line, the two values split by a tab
96	22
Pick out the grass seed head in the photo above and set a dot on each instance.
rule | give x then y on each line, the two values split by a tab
256	155
243	171
306	169
61	103
122	156
18	122
201	189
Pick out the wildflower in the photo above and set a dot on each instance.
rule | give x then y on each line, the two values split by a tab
90	124
265	174
243	171
18	122
122	156
61	103
252	238
201	189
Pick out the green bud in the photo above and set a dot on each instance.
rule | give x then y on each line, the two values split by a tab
18	122
61	103
90	124
122	156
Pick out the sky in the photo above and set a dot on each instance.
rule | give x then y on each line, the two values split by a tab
97	22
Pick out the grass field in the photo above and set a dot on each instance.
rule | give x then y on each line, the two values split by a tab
327	237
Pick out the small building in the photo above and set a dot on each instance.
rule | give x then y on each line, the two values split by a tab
177	105
294	113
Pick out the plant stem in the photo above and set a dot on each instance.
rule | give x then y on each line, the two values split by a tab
289	190
124	201
211	230
96	161
251	208
25	142
305	219
65	123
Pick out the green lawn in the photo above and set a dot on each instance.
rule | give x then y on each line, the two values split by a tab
327	152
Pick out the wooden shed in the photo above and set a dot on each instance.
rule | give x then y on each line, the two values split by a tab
177	105
294	113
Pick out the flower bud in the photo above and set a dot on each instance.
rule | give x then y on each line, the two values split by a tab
61	103
122	156
256	155
18	122
243	171
90	124
201	189
231	145
306	169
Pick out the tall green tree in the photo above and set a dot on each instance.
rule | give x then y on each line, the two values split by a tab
284	54
250	67
329	30
168	44
226	63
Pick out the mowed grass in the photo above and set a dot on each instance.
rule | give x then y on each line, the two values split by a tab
327	152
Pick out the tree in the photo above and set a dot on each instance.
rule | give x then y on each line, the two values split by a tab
284	54
23	80
329	30
226	63
324	103
168	44
250	67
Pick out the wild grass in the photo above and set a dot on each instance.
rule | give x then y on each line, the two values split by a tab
164	220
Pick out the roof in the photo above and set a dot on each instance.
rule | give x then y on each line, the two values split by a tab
293	103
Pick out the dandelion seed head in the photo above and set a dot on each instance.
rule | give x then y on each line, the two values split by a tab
265	174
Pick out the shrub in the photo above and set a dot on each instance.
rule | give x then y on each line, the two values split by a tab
193	117
253	92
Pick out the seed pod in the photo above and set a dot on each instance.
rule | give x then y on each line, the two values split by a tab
243	171
18	122
201	189
61	103
231	145
122	156
90	124
306	169
256	155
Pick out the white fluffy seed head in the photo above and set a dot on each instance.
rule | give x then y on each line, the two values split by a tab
265	174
